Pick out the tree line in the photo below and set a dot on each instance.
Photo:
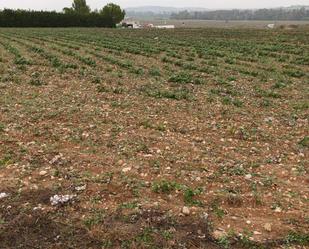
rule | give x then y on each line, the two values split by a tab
79	15
261	14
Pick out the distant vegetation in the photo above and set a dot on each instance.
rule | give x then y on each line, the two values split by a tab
298	12
79	15
156	12
261	14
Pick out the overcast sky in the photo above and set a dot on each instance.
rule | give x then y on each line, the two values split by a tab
211	4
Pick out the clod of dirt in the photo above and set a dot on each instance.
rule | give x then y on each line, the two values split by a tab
218	234
61	199
267	227
40	231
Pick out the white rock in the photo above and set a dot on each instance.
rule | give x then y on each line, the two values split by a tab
3	195
60	199
39	207
80	188
56	159
85	134
278	210
205	216
127	169
268	119
34	186
43	173
248	176
186	210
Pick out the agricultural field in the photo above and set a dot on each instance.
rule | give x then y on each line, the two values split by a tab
185	138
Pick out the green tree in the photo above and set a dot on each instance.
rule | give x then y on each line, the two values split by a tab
67	10
113	13
79	7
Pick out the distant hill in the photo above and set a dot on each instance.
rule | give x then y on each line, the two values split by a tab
161	10
296	7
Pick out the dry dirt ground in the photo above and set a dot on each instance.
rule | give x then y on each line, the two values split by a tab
190	138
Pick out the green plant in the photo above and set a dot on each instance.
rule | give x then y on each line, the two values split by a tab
145	237
167	235
304	142
2	127
224	242
36	82
184	78
218	211
2	221
155	72
165	187
294	73
129	205
96	217
176	94
189	195
297	238
279	85
6	160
